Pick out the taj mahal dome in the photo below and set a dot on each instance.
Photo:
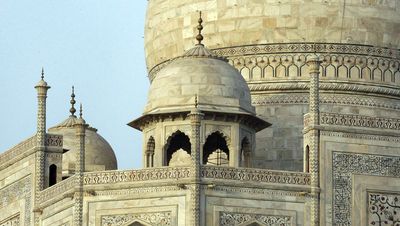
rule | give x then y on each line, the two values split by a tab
259	113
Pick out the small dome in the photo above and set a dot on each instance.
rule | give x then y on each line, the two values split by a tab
199	72
98	153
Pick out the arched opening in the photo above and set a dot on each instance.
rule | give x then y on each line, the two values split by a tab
52	175
245	153
176	141
136	224
307	159
150	152
254	224
216	145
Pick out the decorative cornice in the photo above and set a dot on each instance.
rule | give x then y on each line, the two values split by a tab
273	48
325	98
300	51
361	136
359	121
325	85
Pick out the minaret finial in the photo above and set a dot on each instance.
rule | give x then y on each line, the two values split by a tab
42	73
72	109
196	103
199	37
80	110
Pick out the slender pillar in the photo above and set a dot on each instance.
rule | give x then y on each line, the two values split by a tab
313	138
39	179
79	170
195	120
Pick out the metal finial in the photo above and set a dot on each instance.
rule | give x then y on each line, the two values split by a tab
72	109
199	37
42	73
196	103
80	110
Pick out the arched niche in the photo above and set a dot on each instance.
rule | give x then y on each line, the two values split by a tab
176	141
245	153
252	223
215	141
151	144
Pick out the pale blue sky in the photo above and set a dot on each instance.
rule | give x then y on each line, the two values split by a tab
96	45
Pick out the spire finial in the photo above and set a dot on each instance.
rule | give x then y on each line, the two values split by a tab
80	110
72	109
196	103
199	37
42	73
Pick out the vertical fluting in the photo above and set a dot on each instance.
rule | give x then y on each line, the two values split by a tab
313	135
195	120
79	170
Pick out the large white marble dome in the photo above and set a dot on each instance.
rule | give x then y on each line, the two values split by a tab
199	72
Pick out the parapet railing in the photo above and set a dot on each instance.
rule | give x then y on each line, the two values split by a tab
66	187
149	174
59	190
207	172
255	175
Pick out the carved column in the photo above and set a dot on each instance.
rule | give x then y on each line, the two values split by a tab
79	170
195	120
313	139
41	88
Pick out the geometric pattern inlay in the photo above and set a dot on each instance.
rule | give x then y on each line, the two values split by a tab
346	164
384	209
157	219
233	219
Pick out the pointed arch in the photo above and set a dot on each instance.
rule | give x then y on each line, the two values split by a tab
215	141
176	141
137	222
151	144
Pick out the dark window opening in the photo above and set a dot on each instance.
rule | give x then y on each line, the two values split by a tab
307	160
177	141
214	142
52	175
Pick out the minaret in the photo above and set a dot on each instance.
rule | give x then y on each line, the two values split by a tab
312	138
80	165
39	179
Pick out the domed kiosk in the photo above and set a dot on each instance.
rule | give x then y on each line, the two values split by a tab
99	154
202	81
